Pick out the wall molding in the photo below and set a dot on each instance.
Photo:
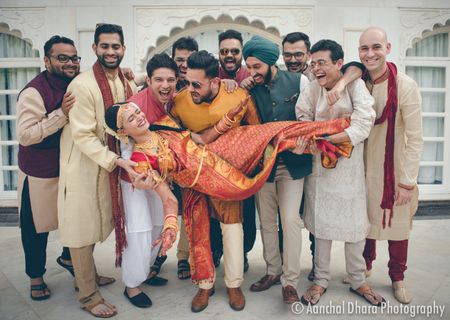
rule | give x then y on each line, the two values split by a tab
30	22
415	22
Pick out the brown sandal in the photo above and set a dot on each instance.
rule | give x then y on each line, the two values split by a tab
313	291
90	307
369	295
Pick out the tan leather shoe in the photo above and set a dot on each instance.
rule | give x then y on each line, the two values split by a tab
237	299
400	292
289	295
265	282
200	300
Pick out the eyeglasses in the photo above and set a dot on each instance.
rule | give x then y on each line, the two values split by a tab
320	63
64	58
225	51
297	55
115	26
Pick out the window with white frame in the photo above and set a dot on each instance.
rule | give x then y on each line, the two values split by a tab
428	63
19	63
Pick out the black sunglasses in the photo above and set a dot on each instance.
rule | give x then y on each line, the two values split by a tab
225	51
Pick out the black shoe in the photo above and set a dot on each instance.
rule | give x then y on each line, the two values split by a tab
246	265
68	267
141	300
156	281
216	258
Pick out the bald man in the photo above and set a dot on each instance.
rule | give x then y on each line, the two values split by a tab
394	147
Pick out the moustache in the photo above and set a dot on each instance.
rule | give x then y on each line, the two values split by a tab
230	60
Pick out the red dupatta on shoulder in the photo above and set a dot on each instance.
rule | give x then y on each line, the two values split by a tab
389	114
114	181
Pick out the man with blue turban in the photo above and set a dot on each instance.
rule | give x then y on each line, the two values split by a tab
275	94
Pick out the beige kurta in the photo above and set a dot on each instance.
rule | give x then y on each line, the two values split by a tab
408	150
33	125
84	198
335	199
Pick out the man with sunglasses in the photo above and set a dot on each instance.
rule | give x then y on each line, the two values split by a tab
230	58
199	107
42	109
88	185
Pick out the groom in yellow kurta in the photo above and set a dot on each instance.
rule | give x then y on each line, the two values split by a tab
394	147
199	107
84	197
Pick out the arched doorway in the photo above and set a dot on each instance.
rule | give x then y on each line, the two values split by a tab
207	34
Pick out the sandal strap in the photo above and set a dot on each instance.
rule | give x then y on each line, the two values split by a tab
39	287
183	265
316	289
89	307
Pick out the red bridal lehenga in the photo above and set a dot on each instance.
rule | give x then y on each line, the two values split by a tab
223	168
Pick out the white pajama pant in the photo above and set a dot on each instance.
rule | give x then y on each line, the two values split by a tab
139	256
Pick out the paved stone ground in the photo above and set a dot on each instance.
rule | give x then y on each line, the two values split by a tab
428	278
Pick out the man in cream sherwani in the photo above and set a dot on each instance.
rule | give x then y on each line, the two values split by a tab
335	199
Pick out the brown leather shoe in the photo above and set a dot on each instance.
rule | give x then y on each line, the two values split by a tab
237	299
290	295
200	300
265	282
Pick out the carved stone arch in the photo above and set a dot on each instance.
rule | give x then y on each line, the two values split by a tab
169	23
27	24
419	23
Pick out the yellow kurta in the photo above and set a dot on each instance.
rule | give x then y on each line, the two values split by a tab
408	150
84	198
198	117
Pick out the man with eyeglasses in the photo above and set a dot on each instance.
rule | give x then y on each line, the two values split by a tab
88	196
296	54
328	220
199	107
42	109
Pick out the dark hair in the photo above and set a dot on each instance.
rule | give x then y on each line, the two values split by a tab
205	61
111	116
54	40
161	60
329	45
297	36
186	43
107	28
231	34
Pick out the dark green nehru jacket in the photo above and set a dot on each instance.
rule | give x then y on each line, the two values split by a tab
276	102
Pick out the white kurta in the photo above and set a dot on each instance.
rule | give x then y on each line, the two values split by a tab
335	199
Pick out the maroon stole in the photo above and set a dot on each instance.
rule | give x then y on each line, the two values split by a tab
389	113
113	145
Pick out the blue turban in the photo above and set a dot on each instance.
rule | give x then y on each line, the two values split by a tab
262	49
